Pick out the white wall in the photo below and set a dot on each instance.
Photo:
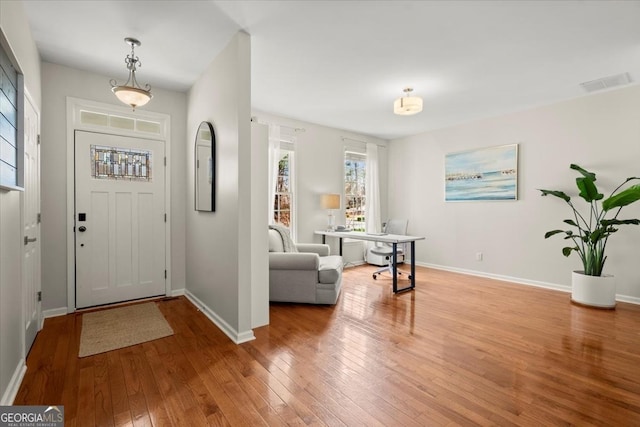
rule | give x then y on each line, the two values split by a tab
319	169
599	132
15	28
59	82
259	238
219	257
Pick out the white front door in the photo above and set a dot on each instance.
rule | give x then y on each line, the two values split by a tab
119	218
31	202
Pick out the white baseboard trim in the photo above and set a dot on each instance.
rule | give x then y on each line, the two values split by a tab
54	312
14	385
627	298
236	337
352	264
538	284
177	292
61	311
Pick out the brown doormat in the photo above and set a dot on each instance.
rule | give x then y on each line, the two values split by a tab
121	327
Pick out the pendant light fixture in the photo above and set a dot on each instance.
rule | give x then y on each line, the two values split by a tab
131	93
407	105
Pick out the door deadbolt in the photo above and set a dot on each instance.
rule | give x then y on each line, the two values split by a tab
82	229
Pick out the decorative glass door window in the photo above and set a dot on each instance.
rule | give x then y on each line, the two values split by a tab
120	163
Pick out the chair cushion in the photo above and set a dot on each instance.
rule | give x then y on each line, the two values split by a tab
330	269
385	250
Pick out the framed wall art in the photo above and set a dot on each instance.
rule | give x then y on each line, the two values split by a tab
482	174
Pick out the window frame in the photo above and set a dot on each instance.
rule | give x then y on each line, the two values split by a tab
277	209
287	147
19	179
351	154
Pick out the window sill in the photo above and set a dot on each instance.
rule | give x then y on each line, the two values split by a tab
5	187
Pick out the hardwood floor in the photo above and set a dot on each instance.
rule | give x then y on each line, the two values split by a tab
459	350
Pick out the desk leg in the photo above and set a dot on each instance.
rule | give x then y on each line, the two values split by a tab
413	270
413	264
324	242
394	265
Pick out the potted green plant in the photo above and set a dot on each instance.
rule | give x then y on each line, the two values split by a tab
590	233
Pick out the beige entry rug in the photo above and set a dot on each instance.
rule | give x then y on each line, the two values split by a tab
121	327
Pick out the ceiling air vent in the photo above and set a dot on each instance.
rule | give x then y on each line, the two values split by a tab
606	82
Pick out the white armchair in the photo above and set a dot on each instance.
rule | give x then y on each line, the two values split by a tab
310	275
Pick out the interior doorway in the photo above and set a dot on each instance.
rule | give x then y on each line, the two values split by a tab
119	218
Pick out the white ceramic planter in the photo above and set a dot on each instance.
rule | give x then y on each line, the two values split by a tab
595	291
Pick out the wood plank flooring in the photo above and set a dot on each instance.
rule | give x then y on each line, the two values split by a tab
459	350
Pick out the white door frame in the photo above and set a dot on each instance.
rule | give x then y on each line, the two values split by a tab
75	121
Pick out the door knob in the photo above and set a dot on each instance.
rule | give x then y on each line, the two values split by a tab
82	229
27	240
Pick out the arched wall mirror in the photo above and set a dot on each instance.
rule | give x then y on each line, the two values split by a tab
205	166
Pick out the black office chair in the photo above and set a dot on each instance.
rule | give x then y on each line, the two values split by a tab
393	226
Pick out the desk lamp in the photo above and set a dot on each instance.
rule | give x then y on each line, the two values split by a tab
330	202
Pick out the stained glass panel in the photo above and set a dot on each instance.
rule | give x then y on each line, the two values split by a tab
120	163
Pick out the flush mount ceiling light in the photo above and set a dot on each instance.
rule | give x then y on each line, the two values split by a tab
407	105
131	93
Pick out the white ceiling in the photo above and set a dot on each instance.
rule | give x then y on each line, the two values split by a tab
342	63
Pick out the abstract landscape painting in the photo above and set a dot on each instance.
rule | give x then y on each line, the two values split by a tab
484	174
